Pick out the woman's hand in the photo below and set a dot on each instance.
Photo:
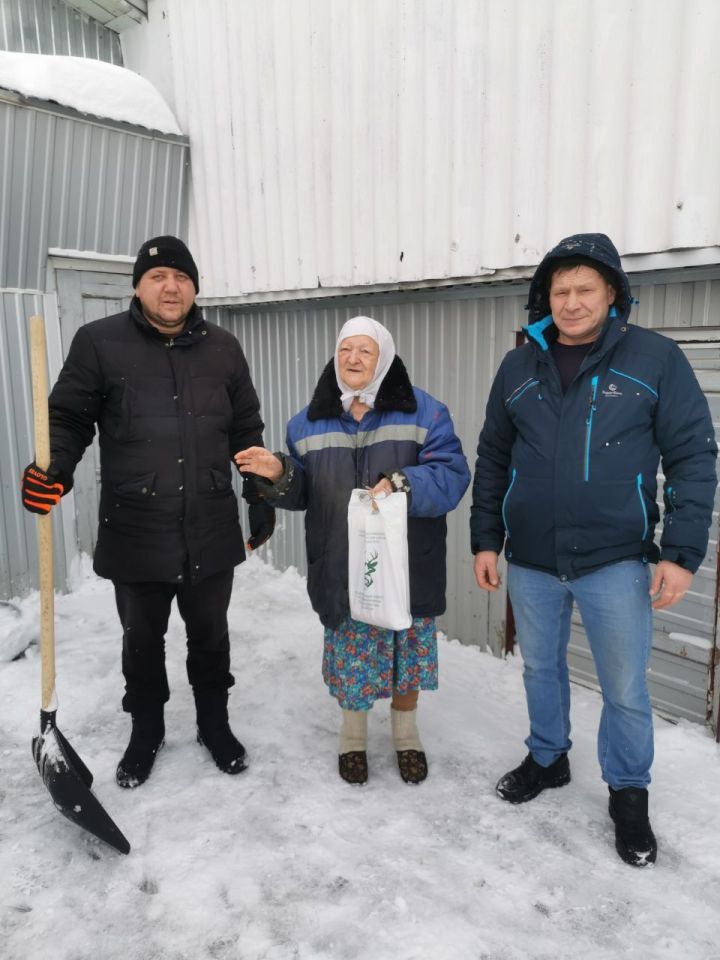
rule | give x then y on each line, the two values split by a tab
260	461
383	488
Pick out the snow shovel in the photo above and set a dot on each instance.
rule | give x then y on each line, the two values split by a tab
63	772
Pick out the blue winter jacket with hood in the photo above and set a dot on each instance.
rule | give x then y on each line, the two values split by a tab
568	482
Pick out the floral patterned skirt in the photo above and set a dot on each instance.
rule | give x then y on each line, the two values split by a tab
362	663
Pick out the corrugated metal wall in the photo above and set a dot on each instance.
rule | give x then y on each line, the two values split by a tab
686	298
49	26
18	544
81	185
347	144
452	344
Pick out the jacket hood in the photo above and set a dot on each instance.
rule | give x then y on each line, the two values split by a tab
597	250
394	393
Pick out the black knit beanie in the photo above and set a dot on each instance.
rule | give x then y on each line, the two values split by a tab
165	252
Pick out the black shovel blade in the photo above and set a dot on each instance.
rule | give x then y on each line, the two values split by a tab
68	781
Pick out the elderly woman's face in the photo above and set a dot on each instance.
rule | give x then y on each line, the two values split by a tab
357	360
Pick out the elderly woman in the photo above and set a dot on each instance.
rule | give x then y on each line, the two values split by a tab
367	426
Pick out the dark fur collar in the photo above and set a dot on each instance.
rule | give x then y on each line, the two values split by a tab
395	393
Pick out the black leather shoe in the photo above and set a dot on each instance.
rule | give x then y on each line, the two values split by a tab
634	839
529	779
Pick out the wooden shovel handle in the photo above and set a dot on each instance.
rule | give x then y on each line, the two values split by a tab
38	365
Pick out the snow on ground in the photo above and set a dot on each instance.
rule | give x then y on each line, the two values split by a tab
287	862
89	86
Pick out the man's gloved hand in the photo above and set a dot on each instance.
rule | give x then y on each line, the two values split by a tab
41	489
262	523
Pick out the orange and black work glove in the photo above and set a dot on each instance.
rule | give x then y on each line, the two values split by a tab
41	489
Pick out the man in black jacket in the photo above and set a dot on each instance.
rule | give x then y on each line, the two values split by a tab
172	399
577	421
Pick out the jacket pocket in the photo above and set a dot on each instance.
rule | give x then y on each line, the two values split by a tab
528	513
612	514
211	399
506	498
640	383
141	487
643	506
219	482
521	391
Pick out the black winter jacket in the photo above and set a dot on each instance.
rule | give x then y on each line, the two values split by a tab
569	481
169	412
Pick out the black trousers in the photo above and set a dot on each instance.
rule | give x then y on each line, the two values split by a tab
144	610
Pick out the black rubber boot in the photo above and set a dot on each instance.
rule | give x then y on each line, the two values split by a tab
213	731
634	839
529	779
148	735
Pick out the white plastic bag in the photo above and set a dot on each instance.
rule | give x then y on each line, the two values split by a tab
378	570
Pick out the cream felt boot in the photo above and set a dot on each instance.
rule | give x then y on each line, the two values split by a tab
352	760
412	761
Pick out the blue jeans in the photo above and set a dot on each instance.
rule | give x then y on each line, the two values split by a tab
615	608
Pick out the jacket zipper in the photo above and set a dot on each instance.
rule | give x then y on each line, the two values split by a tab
505	499
592	407
638	483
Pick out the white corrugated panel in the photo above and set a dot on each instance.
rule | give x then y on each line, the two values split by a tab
397	141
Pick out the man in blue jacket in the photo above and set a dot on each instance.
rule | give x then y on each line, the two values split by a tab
577	421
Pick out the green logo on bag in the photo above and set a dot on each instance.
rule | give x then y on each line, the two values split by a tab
370	568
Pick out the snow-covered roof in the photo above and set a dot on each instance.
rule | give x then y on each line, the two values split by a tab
88	86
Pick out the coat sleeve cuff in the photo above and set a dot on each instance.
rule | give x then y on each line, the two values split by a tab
278	489
681	558
398	481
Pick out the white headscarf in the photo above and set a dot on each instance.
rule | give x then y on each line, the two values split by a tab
366	327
